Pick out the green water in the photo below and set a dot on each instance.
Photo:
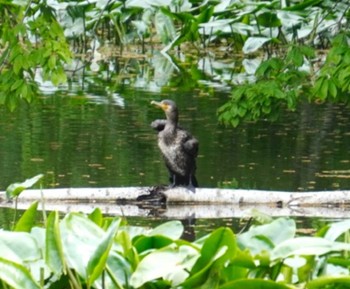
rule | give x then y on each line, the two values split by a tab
95	132
84	141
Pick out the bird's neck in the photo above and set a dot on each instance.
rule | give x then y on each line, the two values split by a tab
172	122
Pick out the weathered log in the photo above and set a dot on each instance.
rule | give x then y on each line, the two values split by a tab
176	211
198	196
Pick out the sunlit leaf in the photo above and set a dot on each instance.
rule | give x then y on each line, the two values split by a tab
164	27
172	230
276	232
54	256
144	243
268	19
175	263
22	244
252	44
16	275
14	190
96	216
28	219
335	282
335	230
80	238
253	284
219	248
306	246
98	259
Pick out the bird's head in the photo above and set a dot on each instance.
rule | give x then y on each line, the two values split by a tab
169	107
166	105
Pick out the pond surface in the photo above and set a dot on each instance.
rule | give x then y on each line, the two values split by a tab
96	133
80	143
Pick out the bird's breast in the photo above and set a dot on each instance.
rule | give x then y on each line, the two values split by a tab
174	156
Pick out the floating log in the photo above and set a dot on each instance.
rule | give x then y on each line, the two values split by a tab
182	202
197	196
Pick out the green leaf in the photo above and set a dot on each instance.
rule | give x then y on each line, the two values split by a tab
303	5
222	238
28	219
324	89
295	56
171	263
219	248
253	284
52	62
239	267
24	91
119	269
165	27
144	243
14	190
173	230
332	88
306	246
18	64
22	244
339	261
16	275
336	282
268	19
276	232
253	43
17	84
54	256
98	259
335	230
81	240
96	216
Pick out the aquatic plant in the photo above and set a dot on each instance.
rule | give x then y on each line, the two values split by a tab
289	38
93	251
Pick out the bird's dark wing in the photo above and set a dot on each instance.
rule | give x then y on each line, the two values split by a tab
190	143
158	124
191	146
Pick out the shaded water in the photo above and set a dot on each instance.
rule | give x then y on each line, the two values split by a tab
80	142
96	133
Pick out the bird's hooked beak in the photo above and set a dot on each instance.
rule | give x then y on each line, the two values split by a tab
161	105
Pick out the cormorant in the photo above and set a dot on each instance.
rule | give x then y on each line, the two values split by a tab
178	146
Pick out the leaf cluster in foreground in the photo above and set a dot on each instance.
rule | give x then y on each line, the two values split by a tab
93	251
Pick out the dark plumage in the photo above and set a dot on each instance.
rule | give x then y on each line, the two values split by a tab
179	148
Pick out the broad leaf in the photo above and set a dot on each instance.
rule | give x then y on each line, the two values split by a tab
96	216
119	270
28	219
253	284
337	229
14	190
98	260
336	282
306	246
144	243
159	237
219	248
267	236
80	238
22	244
54	256
16	275
170	263
252	44
164	27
